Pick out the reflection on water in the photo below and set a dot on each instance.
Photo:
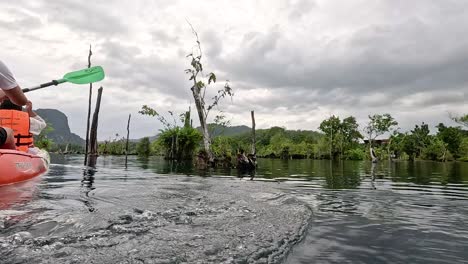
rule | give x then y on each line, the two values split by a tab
389	212
323	173
87	187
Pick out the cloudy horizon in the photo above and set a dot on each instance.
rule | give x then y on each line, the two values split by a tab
294	63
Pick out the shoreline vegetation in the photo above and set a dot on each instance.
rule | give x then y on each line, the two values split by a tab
338	140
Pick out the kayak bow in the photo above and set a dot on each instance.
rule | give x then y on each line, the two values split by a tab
17	166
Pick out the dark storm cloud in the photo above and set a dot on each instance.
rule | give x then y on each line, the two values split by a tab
394	58
364	72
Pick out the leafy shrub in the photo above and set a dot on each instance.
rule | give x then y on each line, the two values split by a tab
355	154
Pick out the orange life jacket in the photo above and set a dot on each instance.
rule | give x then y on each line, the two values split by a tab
19	122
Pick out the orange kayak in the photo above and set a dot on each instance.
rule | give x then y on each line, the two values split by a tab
17	166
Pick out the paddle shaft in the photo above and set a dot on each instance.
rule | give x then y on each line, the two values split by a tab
90	75
53	82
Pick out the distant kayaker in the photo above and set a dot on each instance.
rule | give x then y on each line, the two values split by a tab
26	123
9	89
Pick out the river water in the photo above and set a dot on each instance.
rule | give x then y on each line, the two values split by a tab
357	212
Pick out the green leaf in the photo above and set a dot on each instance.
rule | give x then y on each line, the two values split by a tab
200	85
211	78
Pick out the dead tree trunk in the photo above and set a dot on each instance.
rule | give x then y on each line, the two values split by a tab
331	144
171	154
198	91
202	116
254	149
128	135
89	109
93	134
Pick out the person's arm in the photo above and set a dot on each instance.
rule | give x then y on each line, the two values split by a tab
16	95
9	87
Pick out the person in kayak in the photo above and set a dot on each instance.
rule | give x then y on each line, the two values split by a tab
9	89
25	124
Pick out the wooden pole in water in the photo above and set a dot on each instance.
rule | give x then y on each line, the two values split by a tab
93	134
254	149
89	110
331	142
128	135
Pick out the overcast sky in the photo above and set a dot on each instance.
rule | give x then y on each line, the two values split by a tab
293	62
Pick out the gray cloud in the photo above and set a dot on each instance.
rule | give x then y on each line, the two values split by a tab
80	17
144	73
434	99
165	38
21	20
375	58
214	44
300	8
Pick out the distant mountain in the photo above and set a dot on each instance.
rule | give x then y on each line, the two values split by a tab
151	139
218	130
227	131
61	133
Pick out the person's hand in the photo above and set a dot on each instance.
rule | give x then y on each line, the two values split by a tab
29	107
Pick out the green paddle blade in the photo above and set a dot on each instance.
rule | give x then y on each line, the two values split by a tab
90	75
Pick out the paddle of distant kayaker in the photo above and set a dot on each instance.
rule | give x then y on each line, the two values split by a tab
11	90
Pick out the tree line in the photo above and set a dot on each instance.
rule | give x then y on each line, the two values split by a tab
338	139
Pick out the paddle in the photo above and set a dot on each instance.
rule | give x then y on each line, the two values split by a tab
89	75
